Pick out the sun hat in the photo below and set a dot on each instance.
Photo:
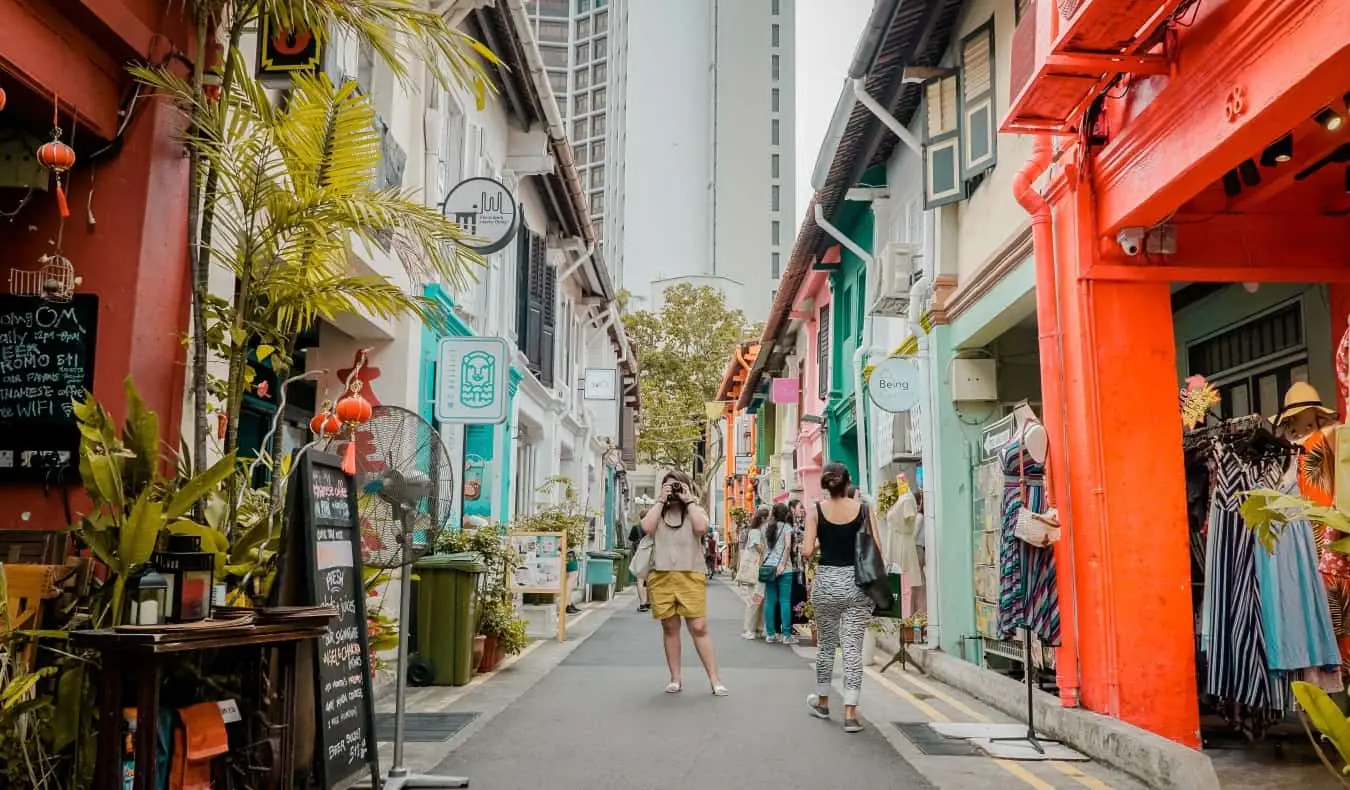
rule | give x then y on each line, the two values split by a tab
1300	397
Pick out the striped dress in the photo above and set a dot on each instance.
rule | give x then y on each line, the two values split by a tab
1028	596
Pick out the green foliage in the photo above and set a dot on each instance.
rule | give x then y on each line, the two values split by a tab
1267	512
682	352
498	618
568	516
740	517
887	496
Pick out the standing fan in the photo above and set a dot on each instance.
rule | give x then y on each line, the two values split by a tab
405	485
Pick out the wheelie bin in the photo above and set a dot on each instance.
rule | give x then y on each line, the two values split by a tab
447	616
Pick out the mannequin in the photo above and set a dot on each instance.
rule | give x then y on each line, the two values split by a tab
902	525
1032	432
1028	597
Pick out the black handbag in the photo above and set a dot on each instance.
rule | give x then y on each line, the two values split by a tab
869	568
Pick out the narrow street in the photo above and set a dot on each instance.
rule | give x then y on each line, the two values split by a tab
590	713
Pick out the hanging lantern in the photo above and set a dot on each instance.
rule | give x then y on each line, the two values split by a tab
325	424
353	409
214	75
3	97
58	157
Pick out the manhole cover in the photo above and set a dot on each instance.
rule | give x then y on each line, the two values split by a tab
934	743
422	727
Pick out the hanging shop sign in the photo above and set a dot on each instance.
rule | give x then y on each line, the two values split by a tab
285	52
601	384
486	210
46	364
742	464
785	390
471	380
894	385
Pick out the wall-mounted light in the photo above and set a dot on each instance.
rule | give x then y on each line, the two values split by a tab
1251	174
1232	184
1278	152
1329	119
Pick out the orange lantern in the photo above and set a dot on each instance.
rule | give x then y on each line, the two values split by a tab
2	98
325	424
213	77
353	408
57	157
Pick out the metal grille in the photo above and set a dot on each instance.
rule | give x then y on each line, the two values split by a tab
933	743
422	727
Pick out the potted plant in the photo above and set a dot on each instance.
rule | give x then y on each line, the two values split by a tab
503	632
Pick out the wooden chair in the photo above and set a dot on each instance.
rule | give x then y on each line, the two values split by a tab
1327	718
26	587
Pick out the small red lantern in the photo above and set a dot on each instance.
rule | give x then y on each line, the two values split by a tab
325	424
214	75
2	98
57	157
353	409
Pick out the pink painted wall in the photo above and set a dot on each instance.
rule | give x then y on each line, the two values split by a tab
811	436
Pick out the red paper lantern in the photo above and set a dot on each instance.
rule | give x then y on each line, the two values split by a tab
353	408
325	424
56	156
2	98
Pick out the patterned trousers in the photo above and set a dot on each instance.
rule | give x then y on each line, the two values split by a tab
841	612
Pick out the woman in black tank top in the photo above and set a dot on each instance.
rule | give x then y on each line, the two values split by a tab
841	608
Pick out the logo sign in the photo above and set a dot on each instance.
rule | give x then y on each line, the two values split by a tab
895	385
742	464
784	390
486	210
471	380
284	52
601	384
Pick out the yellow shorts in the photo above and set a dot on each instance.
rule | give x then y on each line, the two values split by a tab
677	594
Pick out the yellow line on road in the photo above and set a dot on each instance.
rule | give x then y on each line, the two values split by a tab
1073	772
947	698
931	712
1026	776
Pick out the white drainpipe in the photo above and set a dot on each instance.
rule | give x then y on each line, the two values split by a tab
859	356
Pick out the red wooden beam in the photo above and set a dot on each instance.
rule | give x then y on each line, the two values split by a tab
1247	74
1110	272
50	55
123	23
1234	246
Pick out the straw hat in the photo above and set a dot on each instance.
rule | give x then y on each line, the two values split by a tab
1301	397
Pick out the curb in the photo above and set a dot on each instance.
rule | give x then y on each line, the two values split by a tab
1152	759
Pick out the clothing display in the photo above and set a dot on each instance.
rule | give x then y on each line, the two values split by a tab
1028	593
902	547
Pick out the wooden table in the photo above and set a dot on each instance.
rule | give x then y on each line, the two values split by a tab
143	654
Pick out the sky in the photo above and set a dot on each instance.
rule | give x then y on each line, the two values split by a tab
827	32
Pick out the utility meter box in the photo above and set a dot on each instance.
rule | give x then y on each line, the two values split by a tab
974	380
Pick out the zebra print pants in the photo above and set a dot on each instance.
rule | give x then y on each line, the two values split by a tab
841	612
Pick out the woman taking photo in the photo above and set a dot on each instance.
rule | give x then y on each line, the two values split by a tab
841	607
778	589
676	587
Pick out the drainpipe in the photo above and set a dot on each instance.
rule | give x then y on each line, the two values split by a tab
859	356
1052	378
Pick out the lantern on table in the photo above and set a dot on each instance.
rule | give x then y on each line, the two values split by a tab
148	597
189	572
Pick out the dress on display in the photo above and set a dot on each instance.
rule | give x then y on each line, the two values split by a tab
1334	566
1028	595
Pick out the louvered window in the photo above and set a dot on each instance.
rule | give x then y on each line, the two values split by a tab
980	136
536	305
823	354
942	142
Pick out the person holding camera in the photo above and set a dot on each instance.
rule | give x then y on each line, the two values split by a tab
676	586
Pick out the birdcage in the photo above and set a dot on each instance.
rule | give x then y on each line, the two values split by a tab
55	281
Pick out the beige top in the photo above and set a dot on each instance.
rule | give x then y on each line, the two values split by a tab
677	548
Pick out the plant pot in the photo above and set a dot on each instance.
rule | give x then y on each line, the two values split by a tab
479	650
493	655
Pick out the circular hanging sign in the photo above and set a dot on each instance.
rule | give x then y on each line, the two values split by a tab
486	210
894	385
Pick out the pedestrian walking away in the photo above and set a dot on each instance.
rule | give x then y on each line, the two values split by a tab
676	586
776	570
841	607
747	575
634	538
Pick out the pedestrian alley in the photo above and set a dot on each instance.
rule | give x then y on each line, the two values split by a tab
590	713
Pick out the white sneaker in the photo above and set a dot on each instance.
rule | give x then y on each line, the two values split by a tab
789	640
748	635
771	639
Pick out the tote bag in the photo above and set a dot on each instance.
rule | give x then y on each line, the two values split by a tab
643	558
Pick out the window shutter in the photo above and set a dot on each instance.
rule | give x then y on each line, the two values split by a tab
942	143
980	137
823	354
523	238
548	347
534	308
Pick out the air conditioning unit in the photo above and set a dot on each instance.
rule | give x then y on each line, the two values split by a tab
897	269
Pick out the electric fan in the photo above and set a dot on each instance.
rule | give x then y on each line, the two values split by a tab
405	485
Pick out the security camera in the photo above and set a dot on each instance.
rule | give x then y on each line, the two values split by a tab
1131	240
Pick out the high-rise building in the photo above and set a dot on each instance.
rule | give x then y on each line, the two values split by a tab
681	113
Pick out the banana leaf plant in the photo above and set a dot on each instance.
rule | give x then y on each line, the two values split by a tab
1268	512
134	501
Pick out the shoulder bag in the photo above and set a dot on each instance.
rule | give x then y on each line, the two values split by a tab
1032	528
769	570
643	557
869	567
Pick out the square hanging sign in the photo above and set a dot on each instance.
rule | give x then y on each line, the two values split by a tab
785	390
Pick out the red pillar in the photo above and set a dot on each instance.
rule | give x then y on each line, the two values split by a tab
1125	567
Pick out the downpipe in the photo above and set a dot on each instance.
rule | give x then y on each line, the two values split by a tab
1068	673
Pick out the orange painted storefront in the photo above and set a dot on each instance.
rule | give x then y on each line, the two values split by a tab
738	490
1213	88
127	233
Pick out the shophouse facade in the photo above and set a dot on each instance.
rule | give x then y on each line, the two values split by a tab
1196	197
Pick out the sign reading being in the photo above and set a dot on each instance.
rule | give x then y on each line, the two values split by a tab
471	380
895	385
486	210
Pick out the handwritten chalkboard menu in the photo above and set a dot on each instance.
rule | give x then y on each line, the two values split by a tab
46	363
324	519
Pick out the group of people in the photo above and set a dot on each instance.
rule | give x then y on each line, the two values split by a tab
781	542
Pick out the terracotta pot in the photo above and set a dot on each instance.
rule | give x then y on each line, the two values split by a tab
493	655
479	648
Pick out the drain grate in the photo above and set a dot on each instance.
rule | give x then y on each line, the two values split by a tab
933	743
422	727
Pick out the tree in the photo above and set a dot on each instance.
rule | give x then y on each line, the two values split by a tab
682	352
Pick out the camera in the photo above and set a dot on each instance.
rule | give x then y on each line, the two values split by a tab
1131	240
676	493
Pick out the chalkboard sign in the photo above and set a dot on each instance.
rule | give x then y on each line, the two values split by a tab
46	363
324	519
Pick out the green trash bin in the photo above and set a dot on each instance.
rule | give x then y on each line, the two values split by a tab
622	578
447	614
